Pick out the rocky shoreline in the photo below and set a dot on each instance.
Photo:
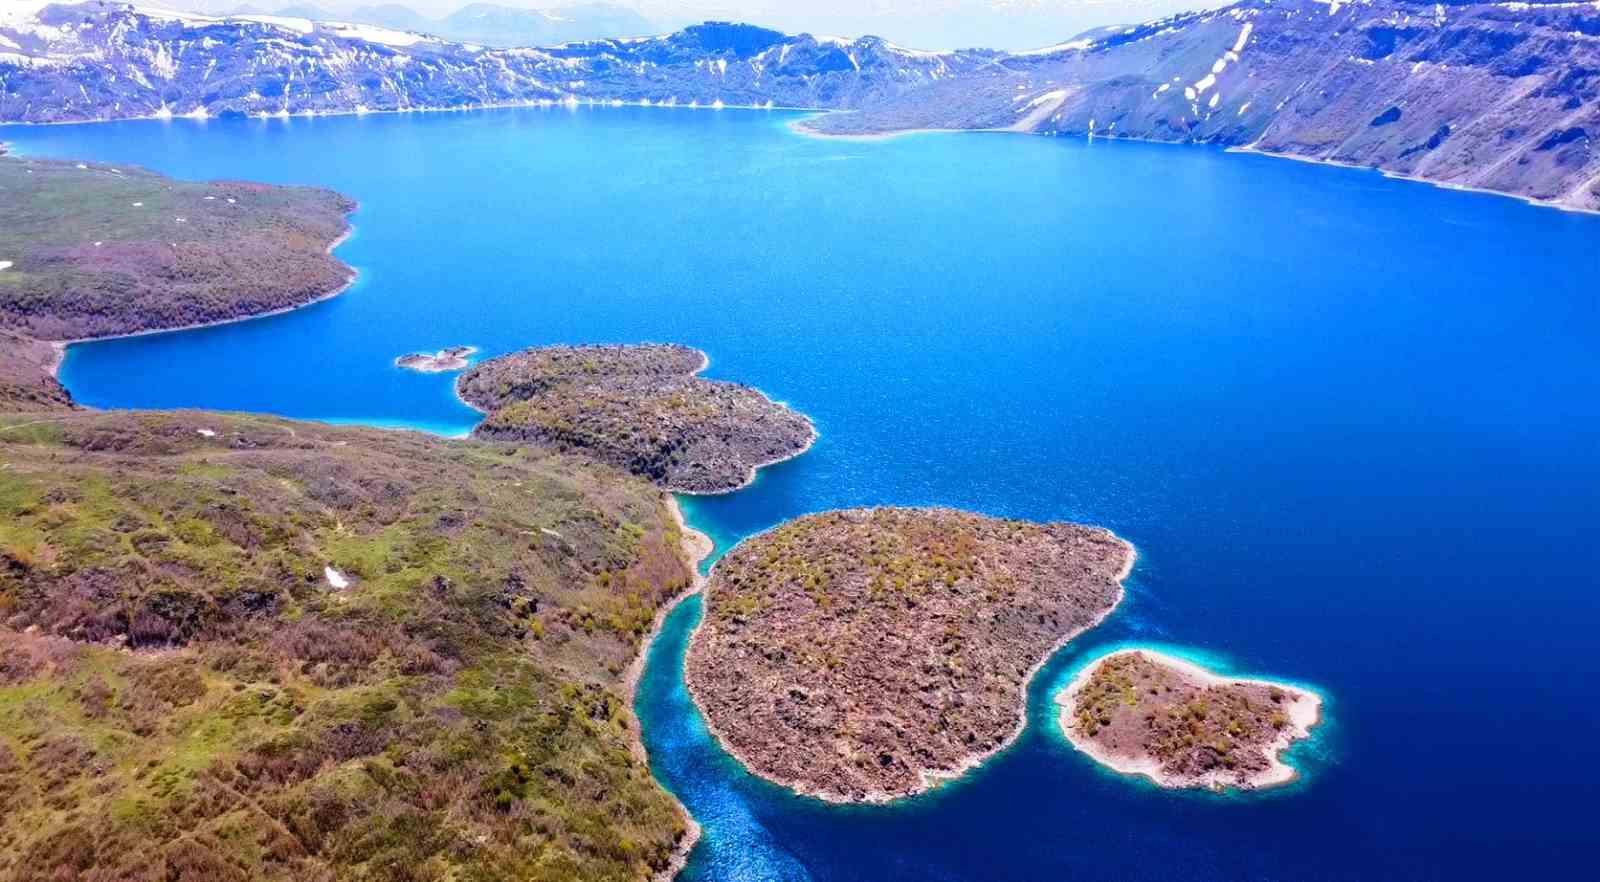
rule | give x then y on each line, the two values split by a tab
865	656
1140	712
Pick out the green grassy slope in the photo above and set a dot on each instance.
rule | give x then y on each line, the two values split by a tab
185	694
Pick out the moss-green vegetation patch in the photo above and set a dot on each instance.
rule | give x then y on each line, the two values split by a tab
185	694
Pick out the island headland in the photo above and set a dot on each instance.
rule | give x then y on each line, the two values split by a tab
1140	712
641	408
442	362
100	251
865	655
91	250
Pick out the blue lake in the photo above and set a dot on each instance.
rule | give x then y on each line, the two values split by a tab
1352	424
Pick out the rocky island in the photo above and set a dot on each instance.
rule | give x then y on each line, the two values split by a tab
640	408
441	362
1143	713
864	655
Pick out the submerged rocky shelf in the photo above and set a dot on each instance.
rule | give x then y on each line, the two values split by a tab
862	655
640	408
1143	713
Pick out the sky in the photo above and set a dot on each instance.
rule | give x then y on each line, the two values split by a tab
921	24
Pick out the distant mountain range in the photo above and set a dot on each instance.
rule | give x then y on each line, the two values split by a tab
488	24
1502	96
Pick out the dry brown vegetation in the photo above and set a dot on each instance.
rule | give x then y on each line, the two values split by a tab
26	380
847	653
185	695
640	408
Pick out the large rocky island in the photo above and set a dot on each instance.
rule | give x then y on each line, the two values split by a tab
640	408
1143	713
864	655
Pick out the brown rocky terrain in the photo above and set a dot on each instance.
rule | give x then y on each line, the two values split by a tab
862	655
27	375
1147	714
640	408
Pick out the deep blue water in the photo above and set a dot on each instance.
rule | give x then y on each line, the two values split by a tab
1352	424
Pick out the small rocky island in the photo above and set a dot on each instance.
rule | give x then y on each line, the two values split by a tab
1143	713
865	655
442	362
640	408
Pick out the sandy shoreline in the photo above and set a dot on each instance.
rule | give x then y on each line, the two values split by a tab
1303	717
60	346
931	778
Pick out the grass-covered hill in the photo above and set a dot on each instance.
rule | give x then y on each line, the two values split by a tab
93	250
640	408
242	648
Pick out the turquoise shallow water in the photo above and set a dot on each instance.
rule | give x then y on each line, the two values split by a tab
1351	424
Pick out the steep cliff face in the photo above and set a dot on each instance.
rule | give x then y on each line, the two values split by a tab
1496	96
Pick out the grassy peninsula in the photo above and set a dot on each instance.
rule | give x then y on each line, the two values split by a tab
94	250
863	655
640	408
243	648
1143	713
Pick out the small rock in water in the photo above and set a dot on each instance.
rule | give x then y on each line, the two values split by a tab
452	359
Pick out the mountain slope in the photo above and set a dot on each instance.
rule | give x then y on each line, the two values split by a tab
1495	96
